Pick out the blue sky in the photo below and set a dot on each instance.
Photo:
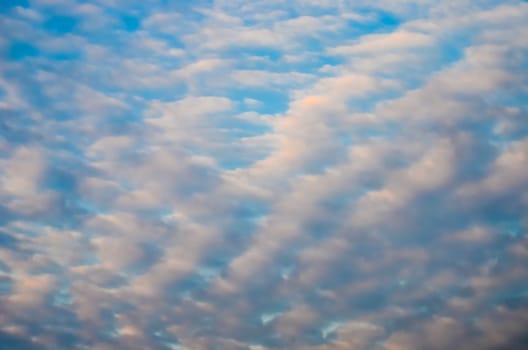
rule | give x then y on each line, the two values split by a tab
257	175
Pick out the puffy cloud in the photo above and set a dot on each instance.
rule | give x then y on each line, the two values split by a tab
381	43
23	171
262	175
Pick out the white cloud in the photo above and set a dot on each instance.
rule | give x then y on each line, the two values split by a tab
382	43
23	171
263	175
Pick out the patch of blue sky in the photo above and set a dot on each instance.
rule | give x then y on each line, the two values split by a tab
168	216
65	324
32	229
502	213
330	329
159	213
116	281
235	160
502	140
433	60
109	312
151	254
173	346
187	288
375	20
61	180
6	5
62	297
3	266
287	271
265	55
67	160
207	273
72	55
508	98
246	218
313	63
513	299
314	337
59	24
371	301
8	241
111	327
66	338
19	50
272	100
122	122
190	8
55	59
71	212
263	316
312	44
34	95
76	210
130	23
239	233
451	49
6	216
142	94
511	227
110	333
159	333
250	210
17	128
233	164
218	260
88	258
173	41
272	340
6	285
266	318
320	229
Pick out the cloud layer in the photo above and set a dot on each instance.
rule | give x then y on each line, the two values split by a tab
315	175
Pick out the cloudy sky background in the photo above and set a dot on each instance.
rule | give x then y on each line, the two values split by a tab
253	175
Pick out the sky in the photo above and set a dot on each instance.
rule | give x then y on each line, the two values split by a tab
259	175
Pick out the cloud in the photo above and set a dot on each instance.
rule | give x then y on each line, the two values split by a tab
262	175
380	43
